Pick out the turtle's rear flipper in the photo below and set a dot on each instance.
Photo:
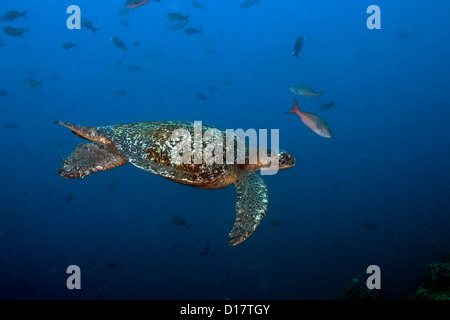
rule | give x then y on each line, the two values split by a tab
88	158
251	206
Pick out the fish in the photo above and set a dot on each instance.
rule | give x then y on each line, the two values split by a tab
403	33
125	22
192	30
120	61
134	68
177	17
207	248
110	264
12	15
121	92
406	32
178	25
336	185
113	185
249	3
227	82
197	4
201	96
69	198
15	32
326	106
298	45
69	45
369	225
7	214
137	3
312	121
276	223
31	83
124	11
304	90
136	43
118	43
12	125
180	221
86	23
3	93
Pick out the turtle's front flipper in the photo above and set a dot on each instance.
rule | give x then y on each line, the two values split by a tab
88	158
251	206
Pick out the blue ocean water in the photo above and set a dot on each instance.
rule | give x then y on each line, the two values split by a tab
376	193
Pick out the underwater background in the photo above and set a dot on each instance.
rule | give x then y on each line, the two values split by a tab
376	193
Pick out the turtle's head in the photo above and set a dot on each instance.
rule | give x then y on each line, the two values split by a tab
285	160
268	161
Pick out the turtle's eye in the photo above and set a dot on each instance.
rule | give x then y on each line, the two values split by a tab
286	157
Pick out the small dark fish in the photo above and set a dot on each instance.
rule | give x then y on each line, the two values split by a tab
137	3
12	125
110	264
69	45
207	248
118	43
298	45
134	68
86	23
177	17
124	11
312	121
276	223
113	185
369	225
12	15
31	83
8	214
212	88
192	30
326	106
249	3
24	285
125	22
201	96
69	198
121	92
3	93
120	61
180	221
15	32
195	244
197	4
136	43
178	25
175	247
336	185
404	34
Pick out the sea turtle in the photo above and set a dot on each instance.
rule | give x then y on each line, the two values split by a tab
149	146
